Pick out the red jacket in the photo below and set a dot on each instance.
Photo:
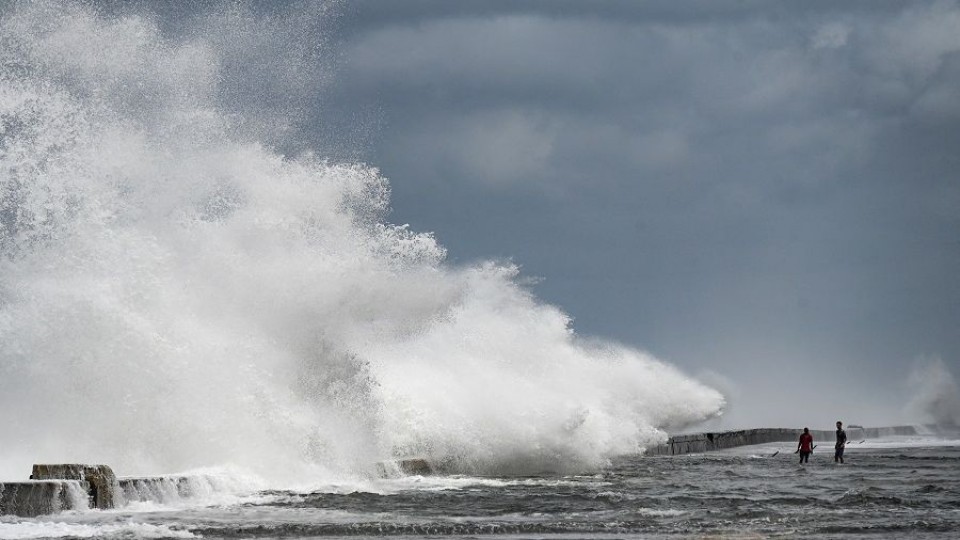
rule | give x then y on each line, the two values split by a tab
806	442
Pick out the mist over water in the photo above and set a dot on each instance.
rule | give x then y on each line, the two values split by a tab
936	397
175	293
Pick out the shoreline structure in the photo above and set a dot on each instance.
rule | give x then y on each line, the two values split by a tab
55	488
720	440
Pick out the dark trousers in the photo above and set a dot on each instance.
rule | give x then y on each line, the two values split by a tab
805	456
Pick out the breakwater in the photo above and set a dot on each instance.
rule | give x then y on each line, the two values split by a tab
98	481
720	440
40	497
56	488
404	467
170	488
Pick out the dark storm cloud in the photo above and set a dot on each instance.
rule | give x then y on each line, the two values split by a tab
636	93
766	191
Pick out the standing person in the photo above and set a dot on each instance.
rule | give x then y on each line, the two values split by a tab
841	443
805	446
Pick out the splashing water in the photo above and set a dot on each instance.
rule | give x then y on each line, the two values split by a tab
936	397
174	294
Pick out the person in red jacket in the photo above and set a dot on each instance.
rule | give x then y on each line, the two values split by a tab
805	446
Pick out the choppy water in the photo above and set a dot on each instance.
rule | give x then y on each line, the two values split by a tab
894	489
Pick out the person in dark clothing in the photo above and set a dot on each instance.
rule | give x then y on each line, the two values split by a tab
841	443
805	446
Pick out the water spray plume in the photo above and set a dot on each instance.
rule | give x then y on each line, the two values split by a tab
176	294
936	397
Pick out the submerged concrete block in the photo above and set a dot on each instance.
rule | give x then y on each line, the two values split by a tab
102	486
404	467
416	466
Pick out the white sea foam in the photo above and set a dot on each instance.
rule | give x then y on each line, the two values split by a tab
665	512
936	394
904	442
176	294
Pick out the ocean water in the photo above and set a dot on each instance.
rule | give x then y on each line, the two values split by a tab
894	488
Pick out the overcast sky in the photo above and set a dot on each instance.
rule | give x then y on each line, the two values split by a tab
766	194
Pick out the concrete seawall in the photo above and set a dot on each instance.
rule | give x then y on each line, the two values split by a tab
706	442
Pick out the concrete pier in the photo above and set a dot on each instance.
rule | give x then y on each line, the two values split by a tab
706	442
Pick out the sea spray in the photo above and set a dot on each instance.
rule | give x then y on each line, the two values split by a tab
936	397
174	293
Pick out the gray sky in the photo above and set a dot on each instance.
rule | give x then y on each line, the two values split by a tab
766	194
